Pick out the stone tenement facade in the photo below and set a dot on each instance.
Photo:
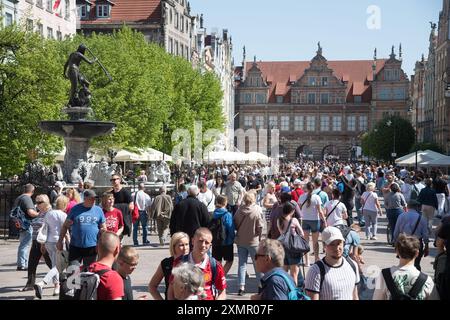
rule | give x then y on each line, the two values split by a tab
320	107
166	22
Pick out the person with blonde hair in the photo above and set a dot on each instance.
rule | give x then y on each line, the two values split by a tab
370	208
53	222
188	282
74	198
249	224
179	246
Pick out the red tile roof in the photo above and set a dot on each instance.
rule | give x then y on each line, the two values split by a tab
140	11
358	73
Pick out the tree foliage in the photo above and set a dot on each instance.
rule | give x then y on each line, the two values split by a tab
152	93
389	134
427	146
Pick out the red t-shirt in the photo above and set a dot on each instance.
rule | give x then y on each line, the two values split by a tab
111	283
296	193
114	219
220	282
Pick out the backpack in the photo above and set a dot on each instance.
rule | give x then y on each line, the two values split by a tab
19	220
323	272
77	285
345	230
217	228
441	268
294	292
396	294
414	193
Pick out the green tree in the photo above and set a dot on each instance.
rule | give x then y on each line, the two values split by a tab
389	134
427	146
31	90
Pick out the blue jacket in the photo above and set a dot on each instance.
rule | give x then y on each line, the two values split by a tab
228	223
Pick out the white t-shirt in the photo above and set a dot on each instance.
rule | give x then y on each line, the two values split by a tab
404	278
309	213
208	199
54	220
335	218
338	284
369	201
143	200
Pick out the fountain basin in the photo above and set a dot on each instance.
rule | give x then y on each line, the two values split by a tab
77	128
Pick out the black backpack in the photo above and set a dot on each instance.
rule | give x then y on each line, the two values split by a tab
321	265
396	294
442	275
218	231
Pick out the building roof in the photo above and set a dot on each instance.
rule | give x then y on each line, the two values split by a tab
281	74
131	11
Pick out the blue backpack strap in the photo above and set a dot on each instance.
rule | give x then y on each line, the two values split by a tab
213	263
286	279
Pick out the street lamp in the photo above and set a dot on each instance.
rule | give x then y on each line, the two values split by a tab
393	154
410	110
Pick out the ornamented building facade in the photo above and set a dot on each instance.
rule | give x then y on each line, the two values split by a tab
320	107
166	22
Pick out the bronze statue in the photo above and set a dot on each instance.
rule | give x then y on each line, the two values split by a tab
79	97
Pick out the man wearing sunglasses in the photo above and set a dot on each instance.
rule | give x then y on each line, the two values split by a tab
123	201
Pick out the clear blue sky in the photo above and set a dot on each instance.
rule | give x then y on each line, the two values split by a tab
288	30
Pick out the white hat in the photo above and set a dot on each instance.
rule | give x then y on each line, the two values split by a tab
297	181
59	184
330	234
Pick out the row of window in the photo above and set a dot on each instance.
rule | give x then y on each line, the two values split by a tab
310	121
318	81
391	94
50	34
64	6
102	10
309	98
391	74
178	49
179	21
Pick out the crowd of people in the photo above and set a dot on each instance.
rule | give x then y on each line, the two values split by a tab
218	210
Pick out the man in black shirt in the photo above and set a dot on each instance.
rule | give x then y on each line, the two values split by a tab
126	263
26	204
123	201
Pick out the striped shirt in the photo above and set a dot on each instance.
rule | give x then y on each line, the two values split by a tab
339	282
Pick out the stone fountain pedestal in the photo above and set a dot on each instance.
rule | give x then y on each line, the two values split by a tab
77	134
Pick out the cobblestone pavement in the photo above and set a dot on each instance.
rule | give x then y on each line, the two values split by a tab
376	253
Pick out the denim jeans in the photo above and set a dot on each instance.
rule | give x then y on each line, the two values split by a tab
243	253
359	214
371	222
24	247
392	215
143	220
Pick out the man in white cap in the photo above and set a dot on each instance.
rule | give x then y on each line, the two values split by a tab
334	277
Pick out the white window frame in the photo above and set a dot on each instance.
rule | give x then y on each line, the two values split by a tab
299	123
351	123
337	124
11	18
103	6
324	123
284	123
273	121
49	33
248	121
259	121
363	123
322	82
310	123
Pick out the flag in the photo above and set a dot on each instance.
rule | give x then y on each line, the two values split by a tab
56	5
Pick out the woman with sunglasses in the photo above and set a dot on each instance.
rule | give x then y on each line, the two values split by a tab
53	220
179	246
43	206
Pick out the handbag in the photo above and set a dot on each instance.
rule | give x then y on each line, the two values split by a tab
293	243
42	234
135	213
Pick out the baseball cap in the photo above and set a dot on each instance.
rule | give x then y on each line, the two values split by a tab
285	189
330	234
89	193
297	181
59	184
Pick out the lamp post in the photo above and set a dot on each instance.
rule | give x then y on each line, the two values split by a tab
415	132
393	154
